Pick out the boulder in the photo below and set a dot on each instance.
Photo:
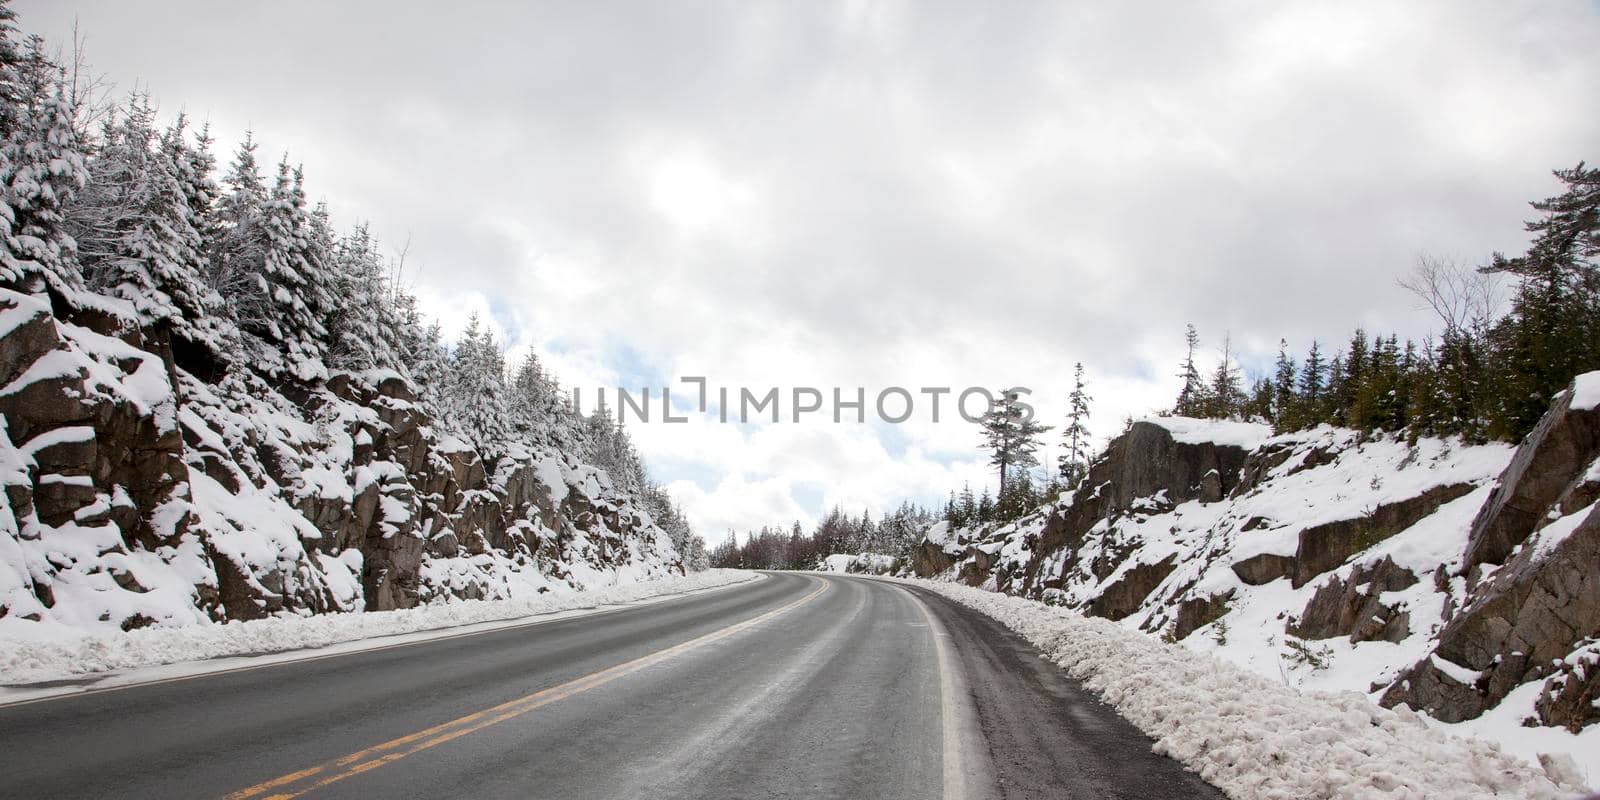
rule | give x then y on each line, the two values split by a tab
1264	568
929	559
1353	606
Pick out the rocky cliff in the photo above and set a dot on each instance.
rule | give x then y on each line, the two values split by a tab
1460	580
137	492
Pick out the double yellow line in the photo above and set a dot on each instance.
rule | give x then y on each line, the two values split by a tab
298	783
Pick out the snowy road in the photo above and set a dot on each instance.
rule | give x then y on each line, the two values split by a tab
795	686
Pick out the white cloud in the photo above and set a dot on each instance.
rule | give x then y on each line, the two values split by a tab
877	194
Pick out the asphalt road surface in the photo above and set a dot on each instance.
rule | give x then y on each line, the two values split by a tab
798	685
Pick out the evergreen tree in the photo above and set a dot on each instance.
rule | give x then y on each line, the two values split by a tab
1346	391
968	508
1283	391
134	225
985	510
1074	463
362	327
1308	410
1225	397
1011	435
41	170
237	241
1259	405
1017	498
1192	397
476	394
1553	330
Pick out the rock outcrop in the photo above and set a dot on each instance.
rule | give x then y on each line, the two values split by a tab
1535	617
1550	471
137	493
1146	468
1434	573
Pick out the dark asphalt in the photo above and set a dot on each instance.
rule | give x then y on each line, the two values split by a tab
793	686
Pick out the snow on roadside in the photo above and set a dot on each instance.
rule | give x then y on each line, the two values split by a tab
1260	740
871	563
31	654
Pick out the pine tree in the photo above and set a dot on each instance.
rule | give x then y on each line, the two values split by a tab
133	223
1016	499
1258	406
1225	396
968	507
1192	397
1011	435
1346	391
236	239
1551	333
1074	463
41	169
476	396
1312	384
1283	390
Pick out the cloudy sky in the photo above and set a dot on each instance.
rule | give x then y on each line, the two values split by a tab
886	194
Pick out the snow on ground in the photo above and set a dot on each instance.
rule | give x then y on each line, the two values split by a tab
1191	430
1586	391
1257	739
35	653
872	563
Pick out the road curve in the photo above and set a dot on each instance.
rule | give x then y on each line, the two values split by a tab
795	686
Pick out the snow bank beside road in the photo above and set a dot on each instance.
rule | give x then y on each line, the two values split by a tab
31	653
869	563
1256	739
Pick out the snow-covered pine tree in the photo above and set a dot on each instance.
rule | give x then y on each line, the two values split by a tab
363	329
968	507
475	400
133	223
41	169
296	278
202	337
236	238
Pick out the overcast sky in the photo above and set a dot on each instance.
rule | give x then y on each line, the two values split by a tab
876	194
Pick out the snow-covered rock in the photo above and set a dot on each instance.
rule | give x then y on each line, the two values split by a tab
138	494
1332	560
864	563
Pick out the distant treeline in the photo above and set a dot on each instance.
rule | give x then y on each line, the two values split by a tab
1488	374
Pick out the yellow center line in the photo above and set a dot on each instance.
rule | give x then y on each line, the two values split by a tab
298	783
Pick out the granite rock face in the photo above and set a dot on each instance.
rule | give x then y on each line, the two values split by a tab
1536	615
137	493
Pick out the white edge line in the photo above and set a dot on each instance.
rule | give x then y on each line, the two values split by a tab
96	683
966	772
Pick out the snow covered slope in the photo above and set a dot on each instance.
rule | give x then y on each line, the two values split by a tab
138	494
1458	579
